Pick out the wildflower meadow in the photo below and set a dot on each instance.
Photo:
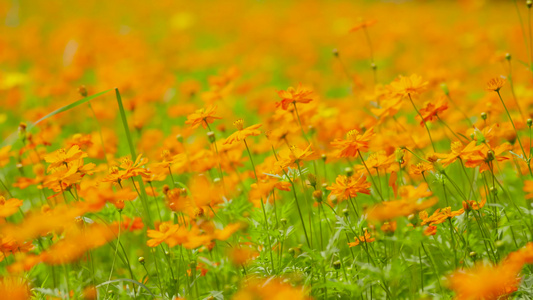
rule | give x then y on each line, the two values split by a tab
248	149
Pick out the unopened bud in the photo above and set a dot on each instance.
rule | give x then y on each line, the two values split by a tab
179	138
345	212
373	66
141	260
529	122
83	91
444	88
348	171
211	136
484	115
337	265
283	221
508	56
312	179
529	3
335	52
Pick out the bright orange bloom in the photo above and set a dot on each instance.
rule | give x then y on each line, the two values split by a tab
242	132
9	207
485	156
408	86
400	208
293	156
15	288
420	168
77	242
354	142
365	238
63	157
5	155
202	117
440	216
495	84
128	169
270	289
472	204
458	150
363	24
242	255
346	187
293	96
430	111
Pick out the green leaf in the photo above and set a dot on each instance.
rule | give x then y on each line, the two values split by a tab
13	137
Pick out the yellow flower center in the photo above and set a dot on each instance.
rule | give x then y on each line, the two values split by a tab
239	124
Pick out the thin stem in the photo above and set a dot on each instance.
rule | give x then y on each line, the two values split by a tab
425	124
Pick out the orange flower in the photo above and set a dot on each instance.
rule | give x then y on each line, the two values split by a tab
430	230
363	25
495	84
293	156
5	155
9	207
430	111
481	282
202	116
440	216
346	187
15	288
472	204
408	86
63	157
458	150
269	289
77	242
242	133
293	96
365	238
354	142
400	208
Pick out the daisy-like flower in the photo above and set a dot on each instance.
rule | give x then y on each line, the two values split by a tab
495	84
440	216
63	157
293	156
365	238
408	86
353	143
9	207
363	24
293	96
242	132
346	187
202	117
431	110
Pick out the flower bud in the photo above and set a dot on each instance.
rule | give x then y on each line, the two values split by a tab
179	138
444	88
348	171
337	265
373	66
345	212
484	115
335	52
529	3
312	179
529	122
83	91
508	56
211	137
141	260
283	221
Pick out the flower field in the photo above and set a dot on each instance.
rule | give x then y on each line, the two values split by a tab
266	149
